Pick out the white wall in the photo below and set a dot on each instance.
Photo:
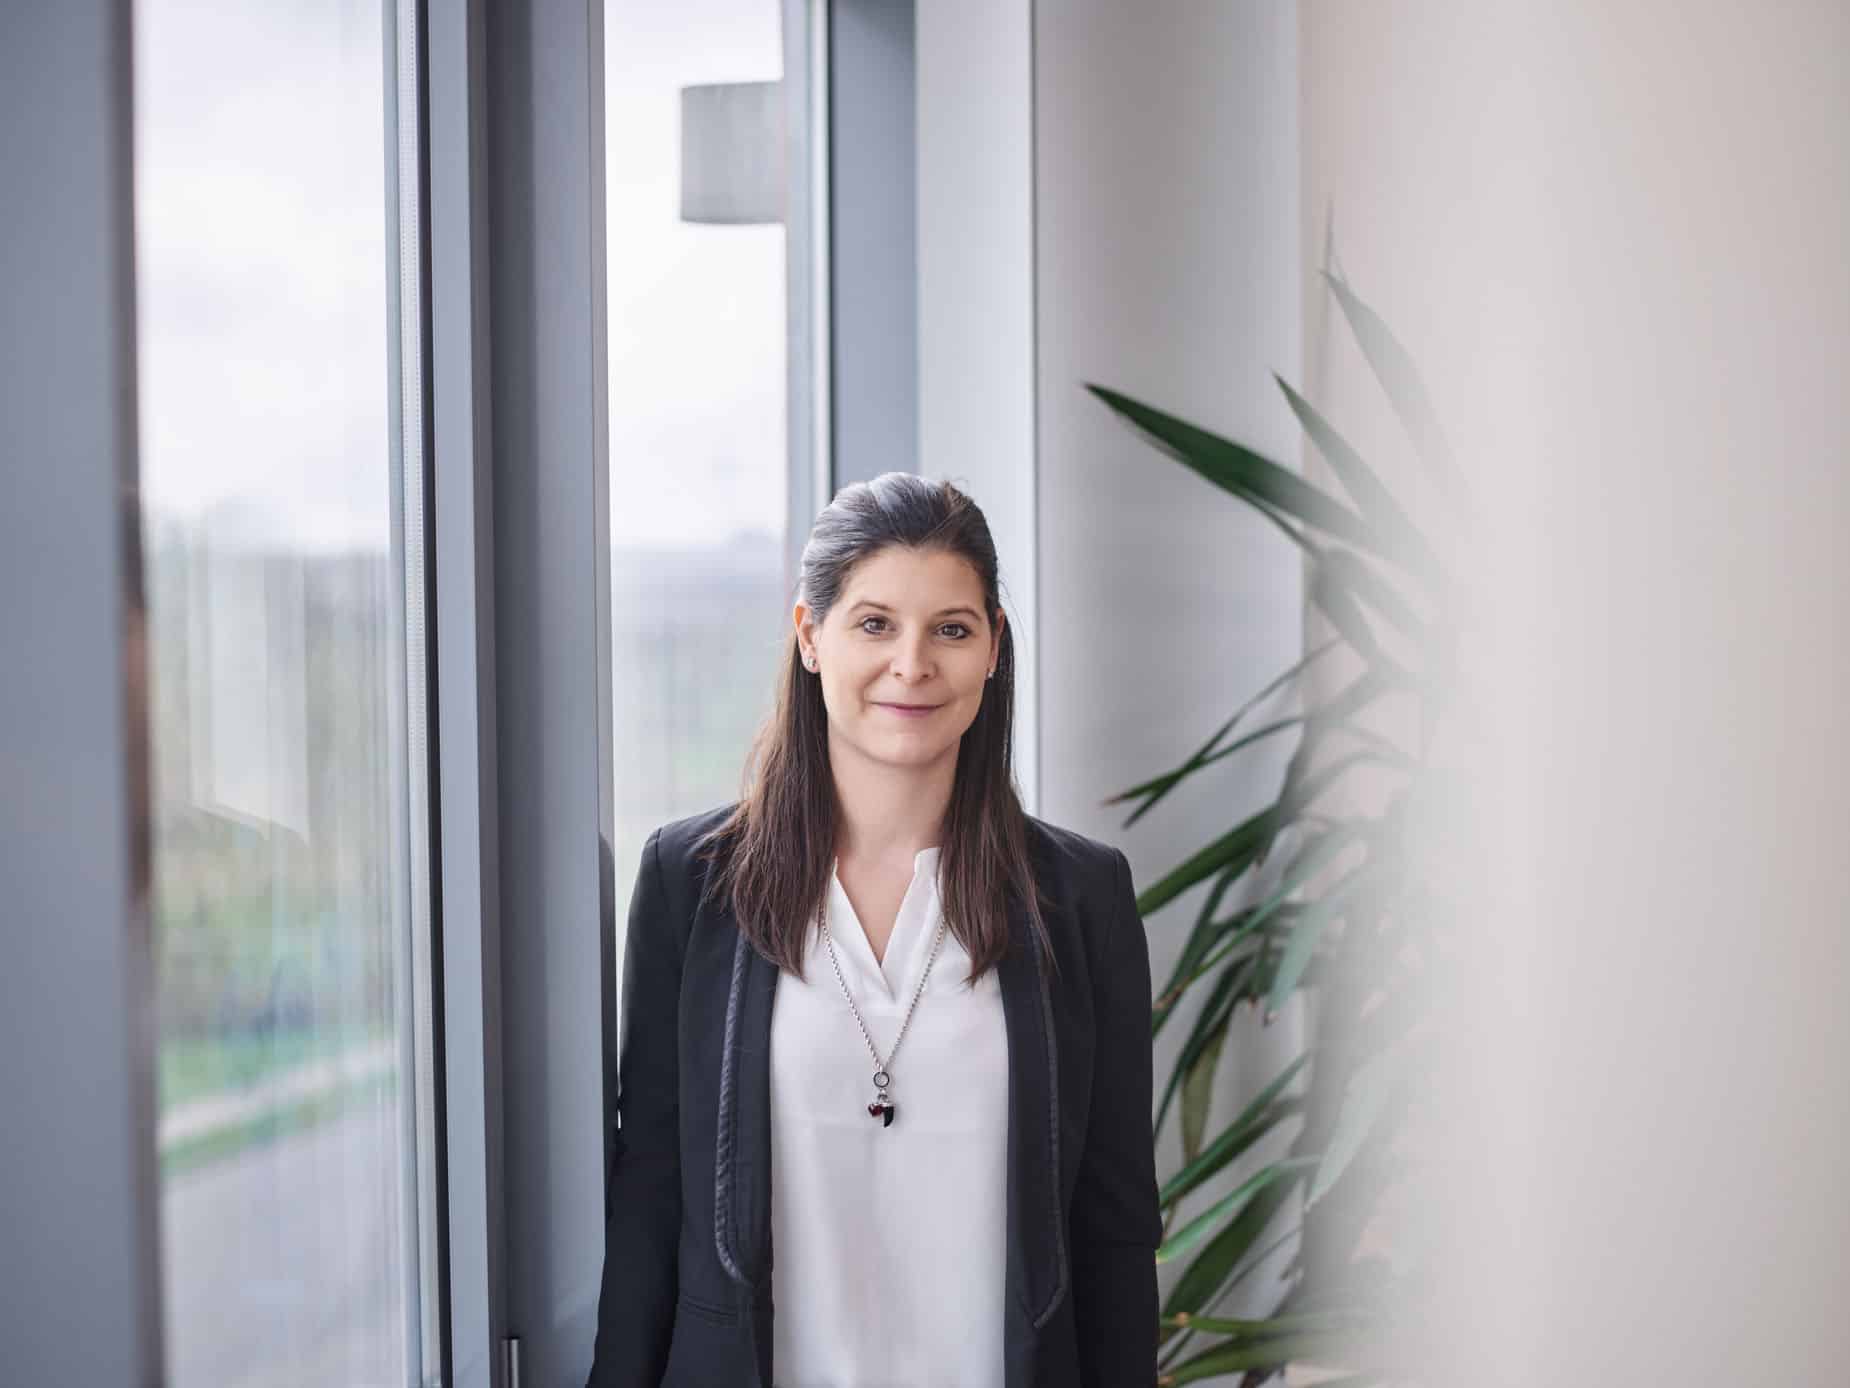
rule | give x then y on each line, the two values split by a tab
1167	263
976	299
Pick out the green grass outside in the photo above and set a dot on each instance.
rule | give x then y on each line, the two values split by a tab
280	1122
193	1067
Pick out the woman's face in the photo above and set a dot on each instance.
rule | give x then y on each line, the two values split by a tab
908	629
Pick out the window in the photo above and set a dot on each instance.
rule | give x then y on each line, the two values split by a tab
711	401
280	437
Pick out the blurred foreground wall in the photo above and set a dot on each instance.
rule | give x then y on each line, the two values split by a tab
1614	238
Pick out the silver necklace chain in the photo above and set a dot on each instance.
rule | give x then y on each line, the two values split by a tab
882	1105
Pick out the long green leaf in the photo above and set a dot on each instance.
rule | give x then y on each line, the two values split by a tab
1409	547
1160	786
1235	942
1248	1267
1173	993
1273	1326
1331	596
1205	1279
1210	1219
1234	848
1239	470
1229	1146
1303	786
1214	1011
1362	1105
1400	381
1347	1209
1388	1023
1293	532
1349	572
1352	1320
1206	930
1198	1089
1342	706
1223	1148
1310	859
1315	1348
1385	751
1326	1347
1309	928
1202	952
1175	1340
1241	847
1259	987
1246	844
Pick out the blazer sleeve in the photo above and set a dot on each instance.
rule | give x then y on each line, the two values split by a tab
642	1199
1115	1222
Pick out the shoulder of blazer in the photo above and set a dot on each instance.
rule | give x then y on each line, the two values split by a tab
675	842
679	835
1092	875
1069	851
669	882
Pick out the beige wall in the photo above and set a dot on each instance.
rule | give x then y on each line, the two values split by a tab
1615	236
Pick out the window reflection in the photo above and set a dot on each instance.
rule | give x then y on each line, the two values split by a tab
266	266
699	463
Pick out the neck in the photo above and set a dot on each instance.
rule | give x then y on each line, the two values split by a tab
886	813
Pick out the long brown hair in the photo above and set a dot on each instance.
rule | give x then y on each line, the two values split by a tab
775	851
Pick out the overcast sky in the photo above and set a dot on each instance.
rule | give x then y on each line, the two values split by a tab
263	279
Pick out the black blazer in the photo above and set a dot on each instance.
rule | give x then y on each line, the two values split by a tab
686	1295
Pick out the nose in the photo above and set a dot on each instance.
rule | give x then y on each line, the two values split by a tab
912	657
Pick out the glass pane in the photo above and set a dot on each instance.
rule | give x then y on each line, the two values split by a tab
699	463
289	851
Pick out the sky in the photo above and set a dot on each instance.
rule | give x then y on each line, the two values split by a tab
263	278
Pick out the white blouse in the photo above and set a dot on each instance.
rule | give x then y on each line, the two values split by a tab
888	1244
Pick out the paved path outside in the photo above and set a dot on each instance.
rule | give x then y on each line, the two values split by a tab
284	1265
309	1080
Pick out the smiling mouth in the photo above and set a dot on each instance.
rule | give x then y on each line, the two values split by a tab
909	708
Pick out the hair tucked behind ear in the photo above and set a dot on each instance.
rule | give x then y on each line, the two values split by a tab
775	852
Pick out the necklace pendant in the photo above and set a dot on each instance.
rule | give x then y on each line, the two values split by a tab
882	1107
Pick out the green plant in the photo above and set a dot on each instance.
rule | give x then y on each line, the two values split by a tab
1346	916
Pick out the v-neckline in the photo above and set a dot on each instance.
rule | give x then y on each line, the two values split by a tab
902	940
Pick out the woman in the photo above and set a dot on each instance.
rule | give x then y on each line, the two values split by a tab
880	1020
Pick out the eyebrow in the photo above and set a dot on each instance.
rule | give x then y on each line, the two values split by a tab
947	612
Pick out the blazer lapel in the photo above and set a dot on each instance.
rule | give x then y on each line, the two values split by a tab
1037	1263
1037	1268
742	1148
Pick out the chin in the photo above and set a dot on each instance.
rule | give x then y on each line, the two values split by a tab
908	751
